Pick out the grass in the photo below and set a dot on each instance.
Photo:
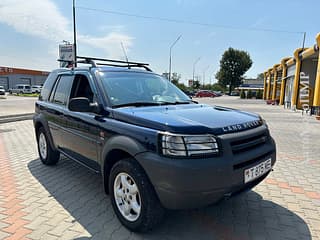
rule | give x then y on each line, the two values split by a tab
3	97
28	94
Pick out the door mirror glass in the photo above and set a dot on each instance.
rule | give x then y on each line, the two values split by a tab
80	104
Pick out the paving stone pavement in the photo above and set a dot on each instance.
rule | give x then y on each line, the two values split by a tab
67	201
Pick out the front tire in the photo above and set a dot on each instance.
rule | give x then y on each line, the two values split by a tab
47	155
133	197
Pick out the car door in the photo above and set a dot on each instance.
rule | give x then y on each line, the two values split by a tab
55	108
80	138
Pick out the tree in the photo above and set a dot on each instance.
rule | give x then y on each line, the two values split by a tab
233	65
260	77
196	84
175	77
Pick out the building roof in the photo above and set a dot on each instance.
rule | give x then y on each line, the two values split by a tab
11	71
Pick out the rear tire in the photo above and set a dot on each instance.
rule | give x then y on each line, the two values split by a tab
134	202
47	155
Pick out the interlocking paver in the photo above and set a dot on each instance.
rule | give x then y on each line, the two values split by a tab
67	201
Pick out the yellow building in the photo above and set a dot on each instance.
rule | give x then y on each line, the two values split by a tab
295	81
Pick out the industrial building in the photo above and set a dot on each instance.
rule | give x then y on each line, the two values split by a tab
295	81
9	77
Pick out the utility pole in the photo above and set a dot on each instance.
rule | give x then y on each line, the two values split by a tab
204	75
74	33
194	68
170	56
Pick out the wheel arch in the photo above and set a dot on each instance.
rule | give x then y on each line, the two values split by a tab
117	148
38	123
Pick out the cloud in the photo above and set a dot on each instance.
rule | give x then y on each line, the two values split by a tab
39	18
42	18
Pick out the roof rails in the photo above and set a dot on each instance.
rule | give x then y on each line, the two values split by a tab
107	62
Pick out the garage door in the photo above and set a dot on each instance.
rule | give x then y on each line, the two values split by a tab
4	82
25	81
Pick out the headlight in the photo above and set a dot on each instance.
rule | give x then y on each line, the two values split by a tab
188	145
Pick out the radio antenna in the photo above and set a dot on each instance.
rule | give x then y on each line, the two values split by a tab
125	54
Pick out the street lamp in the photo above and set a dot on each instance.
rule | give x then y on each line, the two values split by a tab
171	56
194	68
74	32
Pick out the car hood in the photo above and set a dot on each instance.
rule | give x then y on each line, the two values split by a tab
189	118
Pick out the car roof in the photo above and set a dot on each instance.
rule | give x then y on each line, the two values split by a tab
103	69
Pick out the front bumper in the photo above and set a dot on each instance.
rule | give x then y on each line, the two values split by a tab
191	183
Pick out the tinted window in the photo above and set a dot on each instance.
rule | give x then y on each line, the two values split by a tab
48	85
62	90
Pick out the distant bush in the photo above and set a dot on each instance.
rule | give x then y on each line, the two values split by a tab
242	94
249	94
259	94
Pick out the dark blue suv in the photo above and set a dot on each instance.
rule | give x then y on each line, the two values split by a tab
154	147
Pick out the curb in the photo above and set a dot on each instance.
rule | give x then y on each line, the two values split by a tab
16	117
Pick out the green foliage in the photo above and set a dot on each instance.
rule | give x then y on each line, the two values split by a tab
259	94
175	77
242	94
196	84
214	87
249	94
233	65
260	77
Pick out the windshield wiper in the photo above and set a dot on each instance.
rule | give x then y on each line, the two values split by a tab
143	104
174	103
137	104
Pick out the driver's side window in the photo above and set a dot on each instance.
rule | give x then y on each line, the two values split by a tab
82	88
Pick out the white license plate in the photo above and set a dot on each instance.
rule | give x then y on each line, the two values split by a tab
251	174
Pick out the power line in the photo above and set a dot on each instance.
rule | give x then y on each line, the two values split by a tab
188	22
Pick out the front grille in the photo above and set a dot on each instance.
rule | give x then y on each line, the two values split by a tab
251	161
249	143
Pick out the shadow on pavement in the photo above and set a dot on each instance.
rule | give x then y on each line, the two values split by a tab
246	216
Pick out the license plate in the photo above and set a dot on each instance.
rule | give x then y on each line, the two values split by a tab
253	173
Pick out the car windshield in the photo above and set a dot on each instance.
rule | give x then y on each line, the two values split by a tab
141	89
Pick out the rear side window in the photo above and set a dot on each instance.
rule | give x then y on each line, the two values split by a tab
62	90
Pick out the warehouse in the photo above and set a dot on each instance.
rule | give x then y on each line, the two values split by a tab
9	77
295	82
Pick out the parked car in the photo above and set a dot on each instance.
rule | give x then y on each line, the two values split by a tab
155	148
2	90
189	93
20	88
235	93
36	88
205	93
218	93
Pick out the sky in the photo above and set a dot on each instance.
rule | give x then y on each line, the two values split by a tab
268	30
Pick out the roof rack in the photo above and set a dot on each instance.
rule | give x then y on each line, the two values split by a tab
113	63
105	62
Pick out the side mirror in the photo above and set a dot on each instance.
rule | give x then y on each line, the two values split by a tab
82	104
